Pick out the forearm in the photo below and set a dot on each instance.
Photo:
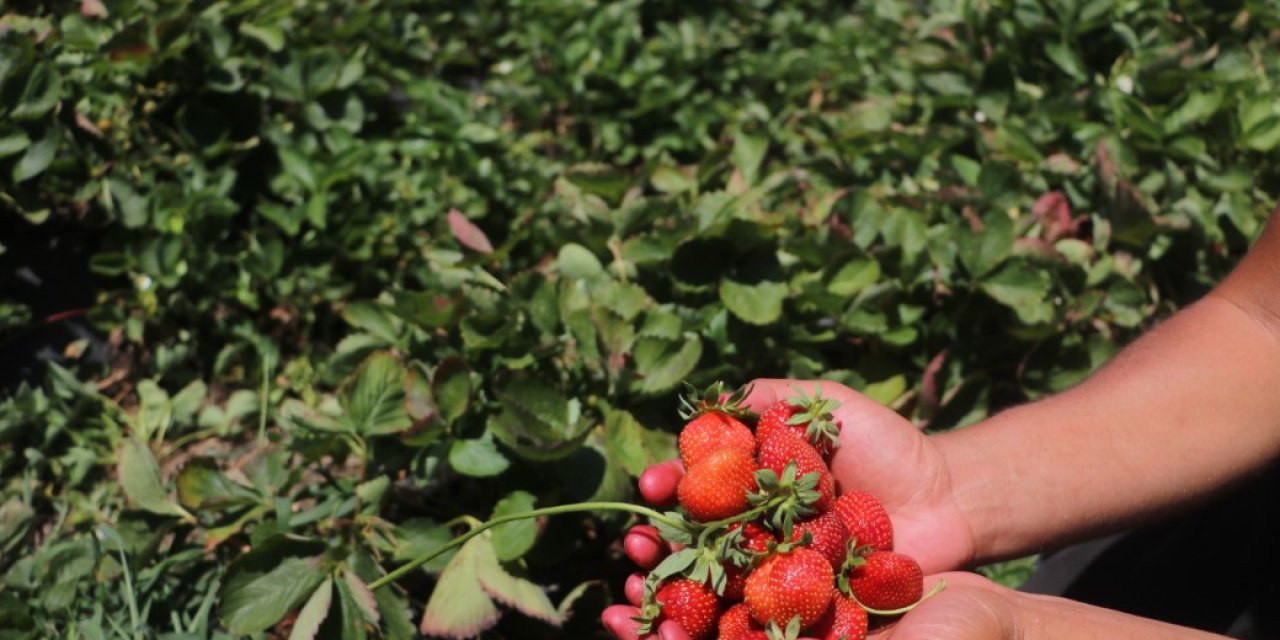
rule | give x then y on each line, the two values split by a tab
1049	618
1178	416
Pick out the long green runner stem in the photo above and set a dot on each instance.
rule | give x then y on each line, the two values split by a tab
547	511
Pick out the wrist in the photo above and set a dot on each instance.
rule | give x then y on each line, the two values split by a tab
980	490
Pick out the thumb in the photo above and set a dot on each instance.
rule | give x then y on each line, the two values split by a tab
970	608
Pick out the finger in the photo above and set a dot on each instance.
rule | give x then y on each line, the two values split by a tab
617	620
634	588
671	630
645	546
658	483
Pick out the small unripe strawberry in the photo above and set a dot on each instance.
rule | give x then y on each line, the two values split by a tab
887	580
790	584
717	487
694	606
866	519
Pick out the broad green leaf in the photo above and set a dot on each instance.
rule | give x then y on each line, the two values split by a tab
478	458
887	390
451	388
15	520
670	180
37	158
41	92
636	447
1263	136
375	402
202	486
662	365
13	142
854	276
362	597
748	153
267	583
373	318
313	613
517	593
417	537
1067	59
608	182
758	304
1023	288
140	478
351	620
155	411
271	36
513	539
579	263
983	250
459	607
537	421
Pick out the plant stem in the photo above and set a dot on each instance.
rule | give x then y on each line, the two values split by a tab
741	517
547	511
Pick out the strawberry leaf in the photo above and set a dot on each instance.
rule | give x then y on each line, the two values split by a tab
459	607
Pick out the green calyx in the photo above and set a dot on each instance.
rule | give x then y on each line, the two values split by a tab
791	632
819	413
715	398
791	498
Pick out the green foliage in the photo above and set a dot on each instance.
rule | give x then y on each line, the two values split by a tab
370	267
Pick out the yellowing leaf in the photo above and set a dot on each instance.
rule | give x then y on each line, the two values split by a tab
459	607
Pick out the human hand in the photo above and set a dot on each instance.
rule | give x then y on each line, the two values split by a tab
970	608
880	452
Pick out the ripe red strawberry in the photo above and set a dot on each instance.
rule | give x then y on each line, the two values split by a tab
845	619
886	580
735	582
692	605
810	417
866	519
754	536
711	431
736	623
790	584
774	417
782	446
717	486
829	537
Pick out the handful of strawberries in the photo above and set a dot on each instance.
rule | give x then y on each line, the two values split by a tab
766	550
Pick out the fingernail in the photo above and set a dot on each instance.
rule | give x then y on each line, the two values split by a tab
659	482
635	589
645	546
617	620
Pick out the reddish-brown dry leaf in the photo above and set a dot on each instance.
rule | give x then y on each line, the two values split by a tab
467	233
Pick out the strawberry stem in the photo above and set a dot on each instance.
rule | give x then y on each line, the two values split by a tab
481	527
741	517
937	588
